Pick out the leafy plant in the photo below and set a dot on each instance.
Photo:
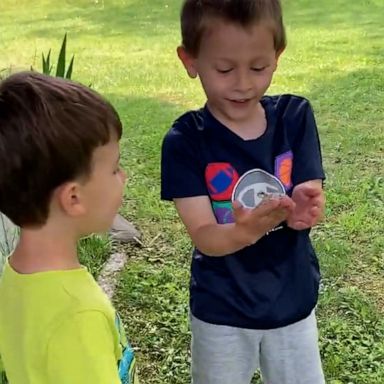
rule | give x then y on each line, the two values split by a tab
61	70
3	378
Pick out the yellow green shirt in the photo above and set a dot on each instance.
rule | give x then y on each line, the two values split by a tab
58	327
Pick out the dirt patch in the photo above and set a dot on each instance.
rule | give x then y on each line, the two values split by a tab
372	285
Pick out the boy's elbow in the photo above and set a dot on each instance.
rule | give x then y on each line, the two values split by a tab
204	239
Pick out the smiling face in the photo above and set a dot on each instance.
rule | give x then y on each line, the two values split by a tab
235	66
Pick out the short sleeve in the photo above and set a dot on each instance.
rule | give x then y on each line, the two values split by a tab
182	173
82	350
307	158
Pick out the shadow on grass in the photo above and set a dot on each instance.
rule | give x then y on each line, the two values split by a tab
349	110
143	19
330	13
110	19
349	115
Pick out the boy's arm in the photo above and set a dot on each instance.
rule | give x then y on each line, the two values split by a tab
308	173
82	350
250	225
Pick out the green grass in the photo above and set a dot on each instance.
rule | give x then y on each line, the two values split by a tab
335	57
93	252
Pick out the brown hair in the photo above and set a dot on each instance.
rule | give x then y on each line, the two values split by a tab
195	13
49	128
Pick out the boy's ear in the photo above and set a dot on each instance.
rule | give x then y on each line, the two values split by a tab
188	61
69	199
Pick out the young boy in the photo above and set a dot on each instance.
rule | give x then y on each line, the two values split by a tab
245	175
60	180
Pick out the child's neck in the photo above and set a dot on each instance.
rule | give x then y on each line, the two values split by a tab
250	129
41	250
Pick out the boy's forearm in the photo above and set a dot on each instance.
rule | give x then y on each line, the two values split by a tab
222	239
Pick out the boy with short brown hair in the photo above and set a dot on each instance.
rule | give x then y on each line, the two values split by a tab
60	180
245	174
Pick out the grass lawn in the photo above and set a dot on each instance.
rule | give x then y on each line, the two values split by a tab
335	57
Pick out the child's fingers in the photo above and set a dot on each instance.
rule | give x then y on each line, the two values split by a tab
313	192
268	211
314	216
317	215
287	203
315	211
276	209
236	205
266	205
309	191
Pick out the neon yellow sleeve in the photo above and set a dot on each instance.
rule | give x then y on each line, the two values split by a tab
82	350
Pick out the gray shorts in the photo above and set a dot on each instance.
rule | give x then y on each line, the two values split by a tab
230	355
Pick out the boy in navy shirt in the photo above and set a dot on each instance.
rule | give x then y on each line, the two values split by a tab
245	174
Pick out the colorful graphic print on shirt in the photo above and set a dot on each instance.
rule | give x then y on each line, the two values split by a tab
283	169
221	178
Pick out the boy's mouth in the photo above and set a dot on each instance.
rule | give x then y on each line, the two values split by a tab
239	101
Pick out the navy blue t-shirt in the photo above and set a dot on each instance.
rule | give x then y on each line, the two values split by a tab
274	282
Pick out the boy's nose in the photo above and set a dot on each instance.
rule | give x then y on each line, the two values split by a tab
243	82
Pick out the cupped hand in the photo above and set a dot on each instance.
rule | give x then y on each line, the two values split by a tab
255	222
309	206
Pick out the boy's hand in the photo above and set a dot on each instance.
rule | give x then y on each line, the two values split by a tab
310	201
255	222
